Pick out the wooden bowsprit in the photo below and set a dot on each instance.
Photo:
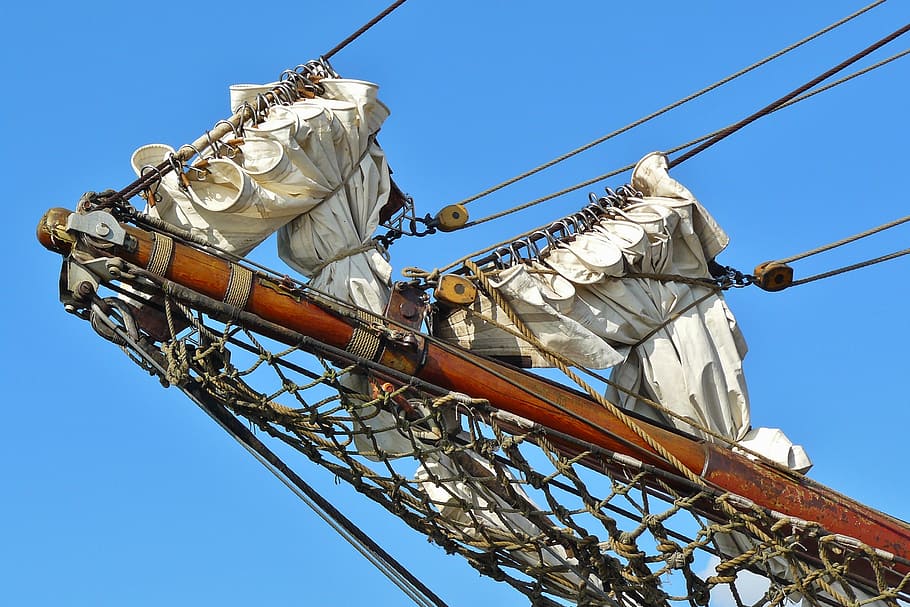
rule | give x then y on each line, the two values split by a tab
289	315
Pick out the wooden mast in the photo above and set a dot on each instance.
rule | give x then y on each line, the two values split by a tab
526	395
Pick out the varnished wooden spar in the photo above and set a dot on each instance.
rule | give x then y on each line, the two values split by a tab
539	400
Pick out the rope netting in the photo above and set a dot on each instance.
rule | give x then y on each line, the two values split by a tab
559	520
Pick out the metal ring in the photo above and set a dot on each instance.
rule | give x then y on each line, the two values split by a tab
244	110
153	169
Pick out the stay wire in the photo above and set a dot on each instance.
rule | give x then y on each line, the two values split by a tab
673	150
667	108
367	26
789	96
848	240
850	268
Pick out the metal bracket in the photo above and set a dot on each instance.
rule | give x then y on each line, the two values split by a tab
98	224
408	306
81	277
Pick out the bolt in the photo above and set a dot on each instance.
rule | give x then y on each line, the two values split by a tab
408	310
102	229
84	290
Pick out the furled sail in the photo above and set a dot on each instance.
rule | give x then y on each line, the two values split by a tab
634	292
311	170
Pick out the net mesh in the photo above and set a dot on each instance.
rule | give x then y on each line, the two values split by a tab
561	521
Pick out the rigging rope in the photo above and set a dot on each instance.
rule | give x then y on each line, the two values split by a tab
563	365
840	243
365	27
789	96
284	91
667	108
366	546
632	562
850	268
672	150
848	240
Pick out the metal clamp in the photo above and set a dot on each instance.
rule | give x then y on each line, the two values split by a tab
98	224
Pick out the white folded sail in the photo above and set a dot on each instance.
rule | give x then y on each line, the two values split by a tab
634	292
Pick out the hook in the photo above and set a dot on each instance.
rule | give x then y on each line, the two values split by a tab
151	190
246	112
499	255
515	246
591	213
177	166
284	94
214	145
238	133
196	151
576	223
536	236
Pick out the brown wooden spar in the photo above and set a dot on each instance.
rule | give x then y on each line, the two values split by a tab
546	403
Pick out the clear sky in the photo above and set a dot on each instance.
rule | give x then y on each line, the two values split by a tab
118	492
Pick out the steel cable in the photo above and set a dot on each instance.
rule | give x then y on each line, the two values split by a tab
667	108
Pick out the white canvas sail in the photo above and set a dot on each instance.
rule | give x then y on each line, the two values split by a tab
634	293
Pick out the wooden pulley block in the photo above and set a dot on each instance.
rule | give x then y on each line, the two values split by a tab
452	217
455	290
773	276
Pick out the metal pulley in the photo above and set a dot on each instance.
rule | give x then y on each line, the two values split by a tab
451	218
455	290
773	276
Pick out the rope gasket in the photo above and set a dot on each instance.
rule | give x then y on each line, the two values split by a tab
162	254
240	285
364	343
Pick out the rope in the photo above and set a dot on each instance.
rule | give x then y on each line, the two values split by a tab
365	27
789	96
235	122
848	240
845	241
372	551
850	268
629	561
562	364
667	108
672	150
652	403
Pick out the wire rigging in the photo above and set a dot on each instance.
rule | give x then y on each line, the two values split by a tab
840	243
367	26
675	149
789	96
672	106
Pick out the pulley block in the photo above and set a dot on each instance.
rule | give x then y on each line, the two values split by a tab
455	290
773	276
451	218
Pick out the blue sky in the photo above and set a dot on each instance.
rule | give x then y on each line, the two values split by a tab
116	491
